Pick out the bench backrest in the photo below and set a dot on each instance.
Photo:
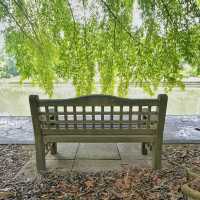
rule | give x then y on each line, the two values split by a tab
99	112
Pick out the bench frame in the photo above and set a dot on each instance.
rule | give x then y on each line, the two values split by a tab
53	136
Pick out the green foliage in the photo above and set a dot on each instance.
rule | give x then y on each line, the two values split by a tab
75	40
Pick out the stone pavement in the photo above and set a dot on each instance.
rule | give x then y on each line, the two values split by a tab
91	158
178	129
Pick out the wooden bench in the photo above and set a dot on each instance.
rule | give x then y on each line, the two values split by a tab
98	119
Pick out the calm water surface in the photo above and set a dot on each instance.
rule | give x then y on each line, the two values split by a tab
14	98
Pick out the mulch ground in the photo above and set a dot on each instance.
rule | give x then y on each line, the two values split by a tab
132	183
12	159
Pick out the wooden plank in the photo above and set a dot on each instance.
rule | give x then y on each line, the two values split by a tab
39	142
75	117
149	117
121	116
66	117
139	115
111	115
157	146
53	148
94	132
55	114
190	193
93	117
114	122
84	117
99	113
102	117
98	100
98	138
163	98
130	116
47	114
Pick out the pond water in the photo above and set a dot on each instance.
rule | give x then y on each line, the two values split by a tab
14	98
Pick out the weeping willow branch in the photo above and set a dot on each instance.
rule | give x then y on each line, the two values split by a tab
116	18
122	53
114	37
168	13
20	6
18	24
85	34
75	29
73	18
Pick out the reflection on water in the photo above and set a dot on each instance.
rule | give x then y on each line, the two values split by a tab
14	98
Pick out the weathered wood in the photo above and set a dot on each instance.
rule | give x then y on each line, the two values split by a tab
102	117
98	100
190	193
117	120
84	118
99	138
157	146
100	131
147	116
99	113
114	122
39	140
111	117
144	149
54	117
65	116
54	148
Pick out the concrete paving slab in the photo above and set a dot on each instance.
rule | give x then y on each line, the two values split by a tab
59	164
28	171
66	151
96	165
132	151
88	165
90	151
105	165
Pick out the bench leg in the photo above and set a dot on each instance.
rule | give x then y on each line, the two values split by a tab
150	146
54	148
40	156
156	155
144	149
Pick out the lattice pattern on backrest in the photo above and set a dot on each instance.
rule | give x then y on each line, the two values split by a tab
97	116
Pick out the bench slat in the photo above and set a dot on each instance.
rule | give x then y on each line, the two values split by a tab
66	116
103	113
111	116
75	116
98	138
98	101
94	132
97	122
84	118
102	117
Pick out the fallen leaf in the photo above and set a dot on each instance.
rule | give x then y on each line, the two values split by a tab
89	183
